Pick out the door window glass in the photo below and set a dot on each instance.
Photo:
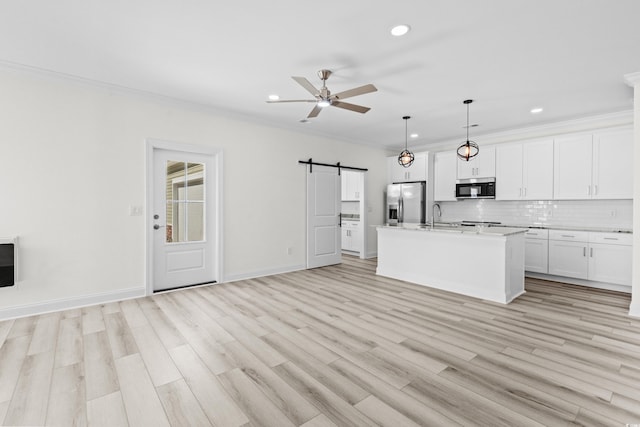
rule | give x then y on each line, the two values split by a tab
185	202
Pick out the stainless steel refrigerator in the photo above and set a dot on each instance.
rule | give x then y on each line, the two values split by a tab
406	203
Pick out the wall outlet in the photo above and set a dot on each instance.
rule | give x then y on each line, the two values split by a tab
613	213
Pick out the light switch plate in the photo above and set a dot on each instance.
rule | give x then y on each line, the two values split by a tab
135	210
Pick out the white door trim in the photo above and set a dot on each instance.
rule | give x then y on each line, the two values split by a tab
216	155
364	218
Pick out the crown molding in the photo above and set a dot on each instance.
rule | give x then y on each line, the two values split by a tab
573	125
169	101
632	79
601	121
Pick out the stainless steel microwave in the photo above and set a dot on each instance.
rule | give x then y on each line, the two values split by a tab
476	188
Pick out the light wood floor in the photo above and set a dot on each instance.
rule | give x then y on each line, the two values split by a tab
330	346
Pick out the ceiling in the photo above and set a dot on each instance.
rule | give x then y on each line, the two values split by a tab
566	56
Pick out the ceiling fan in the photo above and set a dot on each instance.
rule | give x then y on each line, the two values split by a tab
324	98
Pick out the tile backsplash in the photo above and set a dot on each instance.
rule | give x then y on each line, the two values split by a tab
575	213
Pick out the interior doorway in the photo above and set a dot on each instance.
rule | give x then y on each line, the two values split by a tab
183	215
354	212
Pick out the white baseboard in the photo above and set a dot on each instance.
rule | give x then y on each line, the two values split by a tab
581	282
262	273
634	308
370	255
69	303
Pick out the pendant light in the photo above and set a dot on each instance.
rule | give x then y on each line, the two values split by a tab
469	149
406	157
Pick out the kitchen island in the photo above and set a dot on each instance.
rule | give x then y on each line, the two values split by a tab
482	262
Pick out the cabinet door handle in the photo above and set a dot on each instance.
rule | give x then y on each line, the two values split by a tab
595	190
525	192
520	192
588	189
591	252
584	251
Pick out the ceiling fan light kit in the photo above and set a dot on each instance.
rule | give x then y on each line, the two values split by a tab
406	157
468	149
324	98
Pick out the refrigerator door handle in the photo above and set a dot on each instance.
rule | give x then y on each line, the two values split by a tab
400	210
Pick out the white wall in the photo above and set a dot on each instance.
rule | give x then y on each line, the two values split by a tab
72	161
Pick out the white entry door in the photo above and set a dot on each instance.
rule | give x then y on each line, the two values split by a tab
324	244
183	219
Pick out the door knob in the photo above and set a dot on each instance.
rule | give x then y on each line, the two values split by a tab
157	227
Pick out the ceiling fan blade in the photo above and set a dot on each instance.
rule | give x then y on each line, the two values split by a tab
352	107
291	100
307	85
314	113
355	92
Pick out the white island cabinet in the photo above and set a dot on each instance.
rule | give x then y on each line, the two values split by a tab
485	263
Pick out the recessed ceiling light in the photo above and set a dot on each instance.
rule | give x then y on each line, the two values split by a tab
536	110
274	97
400	30
414	135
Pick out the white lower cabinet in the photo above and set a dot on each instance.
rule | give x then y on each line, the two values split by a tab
568	259
601	257
536	251
610	263
351	236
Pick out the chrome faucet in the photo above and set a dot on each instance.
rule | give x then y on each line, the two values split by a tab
433	213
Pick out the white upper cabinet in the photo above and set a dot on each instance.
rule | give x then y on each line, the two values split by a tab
509	172
524	170
416	172
572	157
613	164
444	167
351	185
594	166
481	166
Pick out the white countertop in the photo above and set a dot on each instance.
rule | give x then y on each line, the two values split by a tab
477	230
573	228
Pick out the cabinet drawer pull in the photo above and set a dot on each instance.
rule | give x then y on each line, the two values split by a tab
568	235
610	238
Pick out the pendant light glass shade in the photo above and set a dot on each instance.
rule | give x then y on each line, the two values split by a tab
468	149
406	157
